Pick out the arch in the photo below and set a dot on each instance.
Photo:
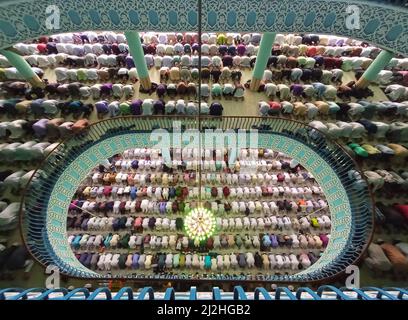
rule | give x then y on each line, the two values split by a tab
125	291
382	293
239	293
260	291
46	295
169	294
287	291
146	291
361	295
339	294
10	290
73	293
307	290
401	292
382	23
47	201
24	294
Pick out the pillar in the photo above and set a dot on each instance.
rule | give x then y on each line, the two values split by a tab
22	66
374	69
136	50
264	53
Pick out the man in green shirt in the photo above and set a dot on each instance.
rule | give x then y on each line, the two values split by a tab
124	108
216	90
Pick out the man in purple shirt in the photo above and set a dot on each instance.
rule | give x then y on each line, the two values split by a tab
161	90
227	61
195	47
129	62
83	257
101	108
296	89
106	89
52	48
319	61
216	109
232	50
241	49
222	49
40	129
158	107
136	107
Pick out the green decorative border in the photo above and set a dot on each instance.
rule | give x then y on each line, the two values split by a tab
65	187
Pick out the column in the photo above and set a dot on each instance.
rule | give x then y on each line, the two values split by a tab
264	53
22	66
374	69
136	50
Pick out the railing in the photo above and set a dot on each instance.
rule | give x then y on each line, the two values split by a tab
147	293
38	192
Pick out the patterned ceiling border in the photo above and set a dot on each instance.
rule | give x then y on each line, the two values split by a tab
383	25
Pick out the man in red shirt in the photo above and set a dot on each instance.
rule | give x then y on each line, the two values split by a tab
275	108
42	48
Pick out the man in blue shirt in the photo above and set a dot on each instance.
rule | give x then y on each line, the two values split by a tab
320	89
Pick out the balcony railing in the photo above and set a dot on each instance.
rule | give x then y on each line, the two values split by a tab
147	293
342	251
